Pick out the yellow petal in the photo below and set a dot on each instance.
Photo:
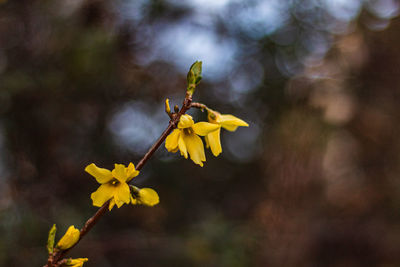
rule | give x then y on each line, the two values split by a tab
148	197
111	204
182	146
102	194
203	128
215	142
133	201
69	239
171	143
230	122
119	203
207	143
185	121
213	116
195	148
76	262
122	194
131	171
119	173
102	175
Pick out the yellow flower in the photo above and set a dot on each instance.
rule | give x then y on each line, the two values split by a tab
186	138
113	184
226	121
69	239
76	262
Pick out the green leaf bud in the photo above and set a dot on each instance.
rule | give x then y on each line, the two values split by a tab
194	76
50	239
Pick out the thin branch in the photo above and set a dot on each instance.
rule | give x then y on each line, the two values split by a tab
172	124
85	229
199	106
187	103
155	146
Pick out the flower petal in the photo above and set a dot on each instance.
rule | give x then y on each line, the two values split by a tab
207	143
214	141
185	121
182	146
119	203
76	262
119	173
102	175
195	148
102	194
230	122
133	201
131	171
171	143
203	128
122	194
112	204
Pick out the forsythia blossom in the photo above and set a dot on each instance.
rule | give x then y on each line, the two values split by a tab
69	239
144	196
186	138
76	262
226	121
113	186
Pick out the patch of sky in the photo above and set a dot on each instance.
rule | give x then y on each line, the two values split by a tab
131	10
247	77
242	145
136	125
385	9
260	18
287	64
185	43
345	10
207	5
316	43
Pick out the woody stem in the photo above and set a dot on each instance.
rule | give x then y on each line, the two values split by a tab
187	103
199	106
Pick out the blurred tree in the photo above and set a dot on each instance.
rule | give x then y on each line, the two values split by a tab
312	182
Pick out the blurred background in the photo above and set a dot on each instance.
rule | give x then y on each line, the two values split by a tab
314	180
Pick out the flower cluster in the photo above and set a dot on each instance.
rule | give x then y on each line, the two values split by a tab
186	137
115	190
114	187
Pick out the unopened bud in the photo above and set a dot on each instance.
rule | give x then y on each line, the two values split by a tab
167	108
194	76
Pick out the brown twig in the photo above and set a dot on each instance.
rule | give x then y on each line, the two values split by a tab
199	105
56	258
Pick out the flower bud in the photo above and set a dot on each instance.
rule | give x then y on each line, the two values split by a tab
69	239
194	76
167	108
76	262
148	197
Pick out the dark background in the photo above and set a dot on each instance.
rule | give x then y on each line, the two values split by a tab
314	180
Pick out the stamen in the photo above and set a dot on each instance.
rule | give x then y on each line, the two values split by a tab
188	130
114	182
